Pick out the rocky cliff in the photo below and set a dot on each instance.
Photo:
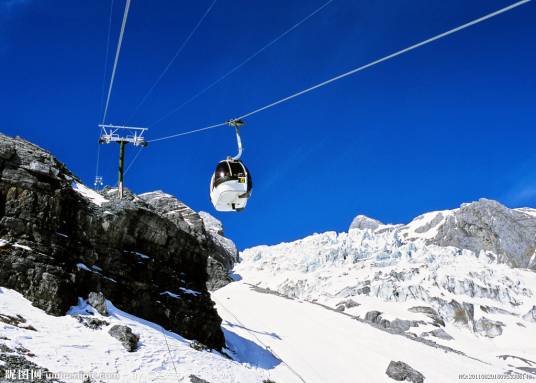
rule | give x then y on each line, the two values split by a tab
148	255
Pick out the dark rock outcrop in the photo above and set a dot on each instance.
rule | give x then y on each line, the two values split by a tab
92	323
402	372
195	379
60	241
221	252
124	334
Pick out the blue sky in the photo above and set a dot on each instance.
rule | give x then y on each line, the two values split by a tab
446	124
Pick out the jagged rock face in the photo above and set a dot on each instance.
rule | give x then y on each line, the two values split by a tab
211	224
488	225
221	251
58	245
176	211
223	255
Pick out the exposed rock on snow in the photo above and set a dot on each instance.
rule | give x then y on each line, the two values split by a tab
17	321
531	315
98	302
430	312
363	222
488	225
346	304
459	313
124	334
195	379
488	328
91	322
396	325
438	333
400	371
80	244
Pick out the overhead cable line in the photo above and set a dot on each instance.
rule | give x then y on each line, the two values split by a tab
133	160
358	69
177	53
98	179
241	64
107	52
189	132
118	50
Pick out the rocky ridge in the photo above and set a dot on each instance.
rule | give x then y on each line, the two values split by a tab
147	254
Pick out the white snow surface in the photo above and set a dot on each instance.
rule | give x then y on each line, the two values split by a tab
391	269
89	194
323	346
63	345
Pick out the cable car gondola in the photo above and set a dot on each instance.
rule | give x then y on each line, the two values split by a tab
231	184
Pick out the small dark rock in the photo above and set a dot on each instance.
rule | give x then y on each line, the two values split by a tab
347	304
531	315
438	333
92	323
401	371
4	348
17	321
124	334
98	302
198	346
373	316
195	379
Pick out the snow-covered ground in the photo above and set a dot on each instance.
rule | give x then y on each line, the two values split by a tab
324	346
395	277
63	345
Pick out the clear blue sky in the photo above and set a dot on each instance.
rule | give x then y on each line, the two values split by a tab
446	124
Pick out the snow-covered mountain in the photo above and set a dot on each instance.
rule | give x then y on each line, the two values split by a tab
463	279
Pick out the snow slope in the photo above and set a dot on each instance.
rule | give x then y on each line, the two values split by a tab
396	278
63	345
325	346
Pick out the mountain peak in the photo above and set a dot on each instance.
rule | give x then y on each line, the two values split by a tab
363	222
